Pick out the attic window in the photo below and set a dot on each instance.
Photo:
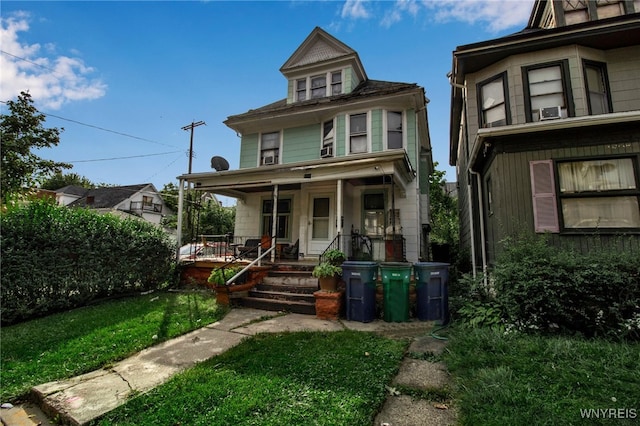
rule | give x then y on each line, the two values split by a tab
301	90
336	83
318	86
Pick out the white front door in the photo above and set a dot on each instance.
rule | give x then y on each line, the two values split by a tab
322	226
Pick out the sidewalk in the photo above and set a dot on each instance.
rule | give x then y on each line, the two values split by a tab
81	399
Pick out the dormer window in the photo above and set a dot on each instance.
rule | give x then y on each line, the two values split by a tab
301	90
318	86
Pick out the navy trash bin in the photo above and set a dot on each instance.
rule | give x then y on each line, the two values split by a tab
360	278
432	294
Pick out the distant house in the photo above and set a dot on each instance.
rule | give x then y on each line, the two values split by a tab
545	129
142	200
339	158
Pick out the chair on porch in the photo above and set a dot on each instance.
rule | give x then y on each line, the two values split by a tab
290	252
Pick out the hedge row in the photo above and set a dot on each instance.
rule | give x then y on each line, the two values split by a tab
56	258
549	289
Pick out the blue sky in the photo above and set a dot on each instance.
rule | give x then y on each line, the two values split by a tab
123	78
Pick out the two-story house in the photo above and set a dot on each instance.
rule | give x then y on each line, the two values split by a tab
340	155
545	129
142	201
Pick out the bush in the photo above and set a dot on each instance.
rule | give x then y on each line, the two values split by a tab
56	258
545	288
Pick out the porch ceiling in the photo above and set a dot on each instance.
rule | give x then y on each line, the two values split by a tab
363	169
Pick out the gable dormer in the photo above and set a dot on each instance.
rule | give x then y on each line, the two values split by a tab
322	66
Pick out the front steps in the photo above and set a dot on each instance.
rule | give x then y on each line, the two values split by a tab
287	288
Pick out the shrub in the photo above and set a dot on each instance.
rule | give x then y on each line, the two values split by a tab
547	288
56	258
475	303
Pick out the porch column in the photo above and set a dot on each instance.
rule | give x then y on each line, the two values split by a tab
180	208
274	224
339	209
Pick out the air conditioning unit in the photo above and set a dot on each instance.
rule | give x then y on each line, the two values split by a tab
268	160
550	113
326	152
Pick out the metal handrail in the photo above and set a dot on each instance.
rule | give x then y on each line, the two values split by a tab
246	268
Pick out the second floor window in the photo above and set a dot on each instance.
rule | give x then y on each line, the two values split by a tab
336	83
358	133
301	90
547	91
493	102
597	87
394	129
269	148
327	133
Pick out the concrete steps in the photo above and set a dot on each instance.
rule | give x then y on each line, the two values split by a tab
286	288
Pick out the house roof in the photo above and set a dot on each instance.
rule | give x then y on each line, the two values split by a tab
109	196
366	90
72	190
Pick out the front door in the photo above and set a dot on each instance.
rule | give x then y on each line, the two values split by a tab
322	220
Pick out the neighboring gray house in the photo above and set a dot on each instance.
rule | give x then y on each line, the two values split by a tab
340	155
141	200
545	129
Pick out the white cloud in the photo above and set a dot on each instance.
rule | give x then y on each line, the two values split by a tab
498	15
355	9
51	81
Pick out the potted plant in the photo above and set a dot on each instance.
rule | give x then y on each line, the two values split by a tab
335	257
327	275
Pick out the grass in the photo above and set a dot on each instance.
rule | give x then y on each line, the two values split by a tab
82	340
535	380
306	378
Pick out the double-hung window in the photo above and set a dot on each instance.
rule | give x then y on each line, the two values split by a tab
599	193
319	86
283	221
301	89
269	148
547	91
493	102
394	129
373	212
358	133
336	82
597	87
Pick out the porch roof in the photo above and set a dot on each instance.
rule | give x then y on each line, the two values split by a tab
363	169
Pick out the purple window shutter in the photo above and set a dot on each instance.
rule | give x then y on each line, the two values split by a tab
545	210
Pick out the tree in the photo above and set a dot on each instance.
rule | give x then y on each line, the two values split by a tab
60	180
444	210
22	131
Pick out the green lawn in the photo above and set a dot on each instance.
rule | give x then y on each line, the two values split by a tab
533	380
306	378
82	340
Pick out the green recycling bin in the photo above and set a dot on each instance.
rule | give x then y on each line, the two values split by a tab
396	277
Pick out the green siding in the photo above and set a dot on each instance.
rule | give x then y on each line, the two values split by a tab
376	130
290	94
249	151
412	141
301	144
340	137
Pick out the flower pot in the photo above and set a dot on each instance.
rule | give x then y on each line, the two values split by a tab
328	304
328	283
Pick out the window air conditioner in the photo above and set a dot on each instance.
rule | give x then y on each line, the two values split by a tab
268	160
550	113
326	152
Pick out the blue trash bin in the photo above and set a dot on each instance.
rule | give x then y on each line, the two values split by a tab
432	294
360	278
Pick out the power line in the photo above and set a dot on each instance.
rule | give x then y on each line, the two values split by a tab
191	127
123	158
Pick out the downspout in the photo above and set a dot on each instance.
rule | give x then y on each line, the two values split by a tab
340	213
481	212
474	266
180	209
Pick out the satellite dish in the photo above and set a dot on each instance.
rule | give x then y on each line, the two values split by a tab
219	163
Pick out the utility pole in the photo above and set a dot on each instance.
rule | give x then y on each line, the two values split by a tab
192	126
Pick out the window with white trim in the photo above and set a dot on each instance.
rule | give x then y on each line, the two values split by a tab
318	86
493	102
301	90
373	212
394	129
547	88
283	221
269	148
358	133
336	83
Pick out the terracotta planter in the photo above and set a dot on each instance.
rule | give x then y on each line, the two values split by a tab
328	283
328	304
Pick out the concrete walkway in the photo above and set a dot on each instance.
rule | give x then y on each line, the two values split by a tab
81	399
